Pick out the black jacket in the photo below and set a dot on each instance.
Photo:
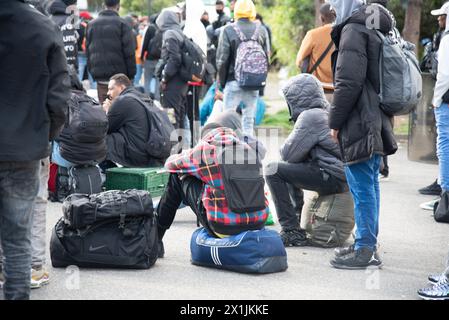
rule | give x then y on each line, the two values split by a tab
59	14
364	129
34	83
128	132
110	47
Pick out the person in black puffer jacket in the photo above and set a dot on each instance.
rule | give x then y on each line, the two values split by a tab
62	13
363	131
110	47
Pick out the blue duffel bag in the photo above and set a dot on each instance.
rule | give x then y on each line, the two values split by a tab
260	251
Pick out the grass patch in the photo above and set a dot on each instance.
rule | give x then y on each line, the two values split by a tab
279	120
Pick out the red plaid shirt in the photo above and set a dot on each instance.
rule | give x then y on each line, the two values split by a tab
202	163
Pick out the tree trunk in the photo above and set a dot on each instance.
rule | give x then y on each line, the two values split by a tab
318	4
411	31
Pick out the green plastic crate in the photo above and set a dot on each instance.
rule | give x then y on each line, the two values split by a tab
153	180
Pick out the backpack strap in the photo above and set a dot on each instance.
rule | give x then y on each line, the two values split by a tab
256	33
321	58
239	32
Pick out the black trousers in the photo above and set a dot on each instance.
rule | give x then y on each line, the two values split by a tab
300	176
188	190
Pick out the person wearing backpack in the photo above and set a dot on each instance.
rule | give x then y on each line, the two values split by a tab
364	132
311	159
151	53
439	290
173	85
198	179
129	129
242	62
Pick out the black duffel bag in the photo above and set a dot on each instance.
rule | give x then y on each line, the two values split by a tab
82	210
127	244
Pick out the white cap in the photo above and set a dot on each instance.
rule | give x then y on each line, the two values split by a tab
443	10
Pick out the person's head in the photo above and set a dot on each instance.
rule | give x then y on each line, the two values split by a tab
219	7
168	20
383	3
112	4
117	84
327	14
245	9
345	8
70	2
259	17
205	16
304	92
232	5
442	15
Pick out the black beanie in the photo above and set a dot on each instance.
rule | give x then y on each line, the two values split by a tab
69	2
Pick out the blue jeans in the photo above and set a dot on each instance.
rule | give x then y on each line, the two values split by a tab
234	96
82	65
138	77
151	81
363	181
442	121
19	184
58	159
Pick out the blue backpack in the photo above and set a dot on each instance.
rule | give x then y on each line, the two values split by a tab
260	251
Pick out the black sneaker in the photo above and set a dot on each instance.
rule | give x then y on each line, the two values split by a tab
439	291
161	250
340	252
433	190
358	259
294	238
435	278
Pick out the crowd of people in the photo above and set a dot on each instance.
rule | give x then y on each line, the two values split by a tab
339	144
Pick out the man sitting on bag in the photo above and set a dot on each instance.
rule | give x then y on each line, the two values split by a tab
129	126
197	179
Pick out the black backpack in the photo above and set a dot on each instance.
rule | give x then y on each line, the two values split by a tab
155	45
242	177
194	61
83	139
159	144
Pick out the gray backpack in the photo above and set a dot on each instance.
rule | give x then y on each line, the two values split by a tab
400	75
328	220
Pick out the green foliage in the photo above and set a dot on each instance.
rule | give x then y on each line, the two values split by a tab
289	21
280	120
142	7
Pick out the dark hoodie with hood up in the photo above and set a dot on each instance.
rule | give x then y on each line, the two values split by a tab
310	140
364	130
61	15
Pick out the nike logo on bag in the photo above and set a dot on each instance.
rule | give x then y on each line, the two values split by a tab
96	248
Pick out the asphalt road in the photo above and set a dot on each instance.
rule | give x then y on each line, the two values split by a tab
412	245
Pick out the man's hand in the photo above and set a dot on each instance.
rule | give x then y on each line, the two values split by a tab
196	79
106	105
334	135
218	95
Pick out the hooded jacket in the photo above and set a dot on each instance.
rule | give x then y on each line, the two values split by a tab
442	85
110	47
310	140
172	43
34	82
61	15
193	27
229	41
364	130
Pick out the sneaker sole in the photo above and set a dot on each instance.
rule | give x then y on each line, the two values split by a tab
432	298
430	193
39	284
343	267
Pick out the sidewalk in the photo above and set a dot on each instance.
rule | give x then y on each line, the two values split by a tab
411	245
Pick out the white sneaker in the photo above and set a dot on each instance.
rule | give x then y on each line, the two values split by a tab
39	278
429	205
383	178
2	279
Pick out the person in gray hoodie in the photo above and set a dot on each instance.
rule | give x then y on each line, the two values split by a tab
311	160
173	87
